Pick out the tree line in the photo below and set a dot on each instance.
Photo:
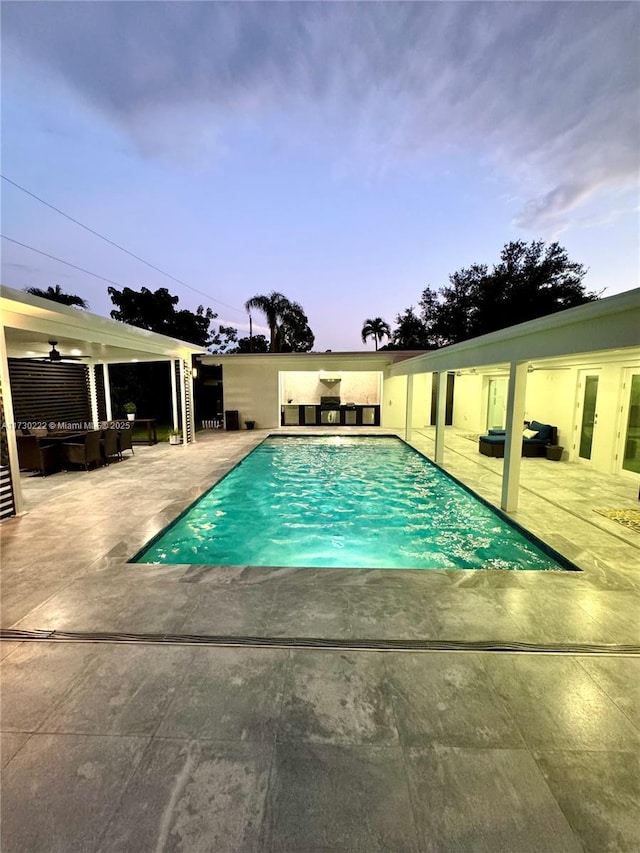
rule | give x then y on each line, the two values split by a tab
530	280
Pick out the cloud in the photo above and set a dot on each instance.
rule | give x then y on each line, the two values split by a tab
546	92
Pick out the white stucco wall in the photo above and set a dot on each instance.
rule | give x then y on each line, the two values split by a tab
469	404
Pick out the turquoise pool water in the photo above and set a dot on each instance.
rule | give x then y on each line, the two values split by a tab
336	501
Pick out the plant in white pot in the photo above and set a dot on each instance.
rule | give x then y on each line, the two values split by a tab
175	436
131	409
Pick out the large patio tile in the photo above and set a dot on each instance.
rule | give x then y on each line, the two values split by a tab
338	798
557	705
619	678
489	800
192	796
124	690
240	611
446	698
599	794
337	697
228	694
395	612
472	614
617	612
310	612
90	604
10	744
555	616
36	677
60	790
7	647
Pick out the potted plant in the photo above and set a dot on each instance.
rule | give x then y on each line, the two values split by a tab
250	424
175	436
131	409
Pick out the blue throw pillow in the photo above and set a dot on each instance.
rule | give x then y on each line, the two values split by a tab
543	430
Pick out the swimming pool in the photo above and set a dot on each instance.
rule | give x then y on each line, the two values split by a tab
342	501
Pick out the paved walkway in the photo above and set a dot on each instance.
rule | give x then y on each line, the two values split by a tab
136	747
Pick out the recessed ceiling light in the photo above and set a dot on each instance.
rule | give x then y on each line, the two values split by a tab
76	352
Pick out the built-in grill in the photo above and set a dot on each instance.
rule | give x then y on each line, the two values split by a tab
327	403
329	410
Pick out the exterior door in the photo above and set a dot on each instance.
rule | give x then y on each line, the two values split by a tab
497	403
587	420
631	423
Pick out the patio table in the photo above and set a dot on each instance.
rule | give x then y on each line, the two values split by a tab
152	435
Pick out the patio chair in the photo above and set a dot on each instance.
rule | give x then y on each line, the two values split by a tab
34	454
125	439
109	445
83	450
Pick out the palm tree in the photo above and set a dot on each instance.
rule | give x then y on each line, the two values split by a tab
376	329
288	324
273	306
56	294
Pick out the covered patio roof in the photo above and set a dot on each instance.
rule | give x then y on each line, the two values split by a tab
607	327
30	322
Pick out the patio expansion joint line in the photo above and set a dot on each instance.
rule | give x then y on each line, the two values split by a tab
18	635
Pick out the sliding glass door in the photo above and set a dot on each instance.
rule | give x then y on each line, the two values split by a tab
631	445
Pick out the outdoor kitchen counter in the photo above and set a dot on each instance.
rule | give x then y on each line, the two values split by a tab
313	414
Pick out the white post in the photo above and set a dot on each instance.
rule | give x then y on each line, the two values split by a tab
441	415
513	439
192	407
409	408
183	401
174	394
9	417
93	396
107	390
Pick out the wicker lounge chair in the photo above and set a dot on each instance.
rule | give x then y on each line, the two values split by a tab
84	450
35	454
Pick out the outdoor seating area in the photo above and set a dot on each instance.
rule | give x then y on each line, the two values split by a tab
51	451
536	437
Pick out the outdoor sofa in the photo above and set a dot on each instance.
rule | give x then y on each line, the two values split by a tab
545	435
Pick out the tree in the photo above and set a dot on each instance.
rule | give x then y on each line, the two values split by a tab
56	294
156	311
258	343
530	281
288	324
410	332
223	339
376	329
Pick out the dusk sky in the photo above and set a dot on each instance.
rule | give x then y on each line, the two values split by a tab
345	154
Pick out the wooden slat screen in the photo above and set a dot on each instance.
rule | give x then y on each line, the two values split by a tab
102	399
50	392
7	506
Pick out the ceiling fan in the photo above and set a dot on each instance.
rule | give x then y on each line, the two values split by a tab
55	356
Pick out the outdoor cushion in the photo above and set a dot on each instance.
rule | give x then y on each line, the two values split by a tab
497	432
543	430
529	433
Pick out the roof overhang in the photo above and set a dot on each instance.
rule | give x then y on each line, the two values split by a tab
30	322
605	329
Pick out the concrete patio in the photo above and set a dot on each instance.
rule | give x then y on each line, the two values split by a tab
148	746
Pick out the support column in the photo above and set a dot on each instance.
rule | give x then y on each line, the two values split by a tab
93	396
192	407
9	417
107	390
174	394
183	400
441	416
408	424
513	439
